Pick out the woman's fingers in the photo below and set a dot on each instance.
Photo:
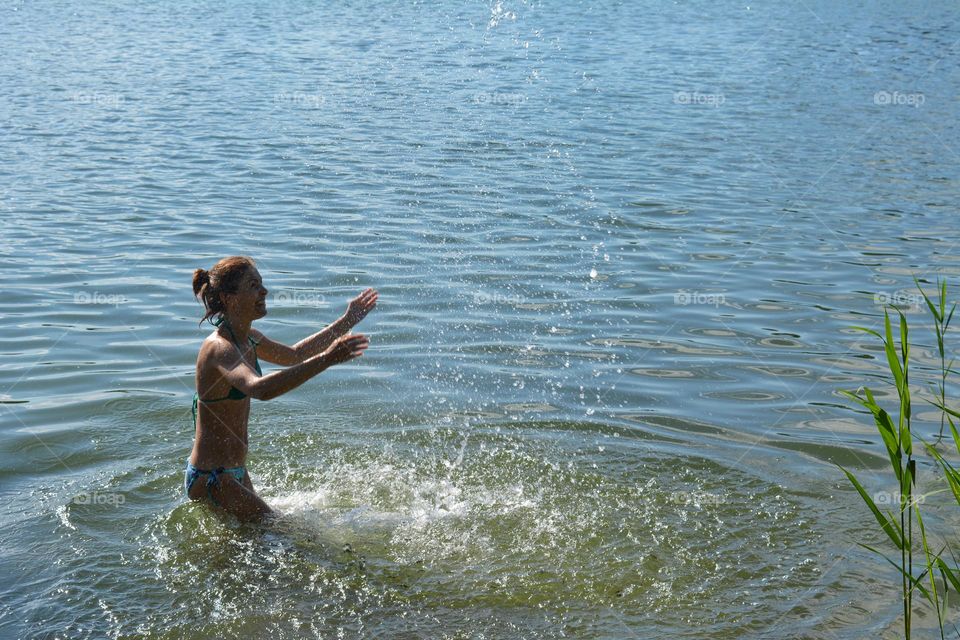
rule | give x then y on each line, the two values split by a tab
350	346
358	347
368	297
360	306
357	342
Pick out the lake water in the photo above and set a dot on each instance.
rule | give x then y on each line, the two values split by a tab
619	248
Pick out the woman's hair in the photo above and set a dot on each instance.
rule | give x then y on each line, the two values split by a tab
224	277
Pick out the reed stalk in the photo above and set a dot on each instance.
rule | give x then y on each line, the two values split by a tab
898	439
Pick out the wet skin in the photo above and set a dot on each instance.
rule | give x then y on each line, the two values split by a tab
222	436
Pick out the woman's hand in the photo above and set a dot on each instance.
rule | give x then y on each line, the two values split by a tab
360	306
346	348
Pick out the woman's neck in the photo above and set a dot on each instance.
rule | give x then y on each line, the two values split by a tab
239	327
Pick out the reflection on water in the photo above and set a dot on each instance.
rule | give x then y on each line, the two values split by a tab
620	250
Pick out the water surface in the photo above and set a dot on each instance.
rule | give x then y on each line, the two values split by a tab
619	247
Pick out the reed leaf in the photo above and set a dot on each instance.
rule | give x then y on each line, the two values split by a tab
889	349
948	573
866	330
953	431
885	427
914	581
945	408
949	472
889	526
930	559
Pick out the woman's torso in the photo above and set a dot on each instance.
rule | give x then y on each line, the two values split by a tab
221	438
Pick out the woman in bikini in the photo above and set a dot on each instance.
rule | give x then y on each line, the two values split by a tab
228	375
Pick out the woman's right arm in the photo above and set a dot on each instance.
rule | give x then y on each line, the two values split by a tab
274	384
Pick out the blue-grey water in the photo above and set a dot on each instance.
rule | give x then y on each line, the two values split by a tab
619	245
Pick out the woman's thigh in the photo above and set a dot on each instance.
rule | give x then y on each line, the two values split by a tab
239	499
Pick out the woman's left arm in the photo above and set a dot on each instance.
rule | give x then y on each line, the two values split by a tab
284	355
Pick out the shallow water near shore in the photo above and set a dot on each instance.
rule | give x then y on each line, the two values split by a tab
619	248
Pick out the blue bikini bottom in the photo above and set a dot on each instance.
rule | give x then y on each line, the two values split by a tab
192	473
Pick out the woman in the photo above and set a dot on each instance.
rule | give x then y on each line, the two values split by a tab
228	375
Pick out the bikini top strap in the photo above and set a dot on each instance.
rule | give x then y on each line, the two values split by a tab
223	320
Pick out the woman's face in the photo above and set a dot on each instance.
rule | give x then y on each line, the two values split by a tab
250	300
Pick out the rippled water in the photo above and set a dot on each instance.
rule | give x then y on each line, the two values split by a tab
619	246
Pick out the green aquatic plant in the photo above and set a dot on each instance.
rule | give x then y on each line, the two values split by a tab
936	576
941	322
949	576
898	441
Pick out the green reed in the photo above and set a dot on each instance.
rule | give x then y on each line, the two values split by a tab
898	437
941	321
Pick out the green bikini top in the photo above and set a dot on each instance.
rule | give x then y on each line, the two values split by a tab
235	394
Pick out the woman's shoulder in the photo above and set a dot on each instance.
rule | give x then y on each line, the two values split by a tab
214	346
